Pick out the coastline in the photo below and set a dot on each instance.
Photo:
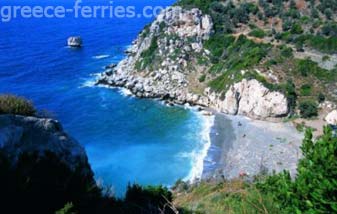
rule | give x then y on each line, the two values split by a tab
236	145
241	146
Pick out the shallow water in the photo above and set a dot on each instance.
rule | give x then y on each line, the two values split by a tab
127	139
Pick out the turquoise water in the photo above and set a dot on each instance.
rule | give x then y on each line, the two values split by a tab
127	139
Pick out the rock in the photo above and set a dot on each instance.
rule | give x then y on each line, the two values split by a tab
179	35
111	66
75	41
331	118
30	134
251	98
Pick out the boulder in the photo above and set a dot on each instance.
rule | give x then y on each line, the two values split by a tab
251	98
36	135
74	41
331	118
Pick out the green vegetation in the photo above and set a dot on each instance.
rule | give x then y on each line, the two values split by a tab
306	90
202	78
314	188
234	56
225	197
259	33
10	104
307	67
321	98
312	191
148	55
308	108
318	42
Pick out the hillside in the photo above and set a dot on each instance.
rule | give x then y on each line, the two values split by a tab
199	55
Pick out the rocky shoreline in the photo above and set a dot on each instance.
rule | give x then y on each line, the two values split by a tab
234	150
172	79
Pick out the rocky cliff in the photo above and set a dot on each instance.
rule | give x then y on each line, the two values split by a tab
20	134
164	62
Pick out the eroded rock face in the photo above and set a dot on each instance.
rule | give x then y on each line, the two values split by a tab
178	34
331	118
251	98
30	134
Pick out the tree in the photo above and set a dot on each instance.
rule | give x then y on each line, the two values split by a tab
315	188
328	13
321	98
308	109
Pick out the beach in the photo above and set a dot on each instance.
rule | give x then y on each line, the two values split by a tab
244	147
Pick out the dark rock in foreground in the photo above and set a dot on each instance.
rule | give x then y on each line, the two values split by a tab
20	134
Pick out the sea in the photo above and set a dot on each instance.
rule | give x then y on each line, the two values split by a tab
128	140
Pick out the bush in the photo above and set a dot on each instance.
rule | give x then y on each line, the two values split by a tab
259	33
148	55
315	188
307	67
321	98
286	51
10	104
296	29
321	43
306	90
308	108
202	78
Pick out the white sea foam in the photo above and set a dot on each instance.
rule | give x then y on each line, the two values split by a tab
199	154
125	92
90	82
101	56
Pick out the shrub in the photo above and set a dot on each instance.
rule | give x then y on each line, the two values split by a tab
321	98
308	108
307	67
306	90
202	78
315	188
10	104
321	43
296	29
259	33
288	88
149	199
286	51
148	55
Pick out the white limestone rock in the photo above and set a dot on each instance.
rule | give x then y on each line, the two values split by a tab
331	118
251	98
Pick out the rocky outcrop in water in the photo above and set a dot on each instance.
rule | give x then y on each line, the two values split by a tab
74	41
19	134
161	63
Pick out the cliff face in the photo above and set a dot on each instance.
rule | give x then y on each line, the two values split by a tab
165	62
20	134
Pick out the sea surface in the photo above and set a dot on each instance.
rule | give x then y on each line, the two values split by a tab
127	139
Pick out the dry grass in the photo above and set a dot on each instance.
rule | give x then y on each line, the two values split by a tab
227	197
10	104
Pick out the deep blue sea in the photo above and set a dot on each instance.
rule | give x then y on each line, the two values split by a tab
127	139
